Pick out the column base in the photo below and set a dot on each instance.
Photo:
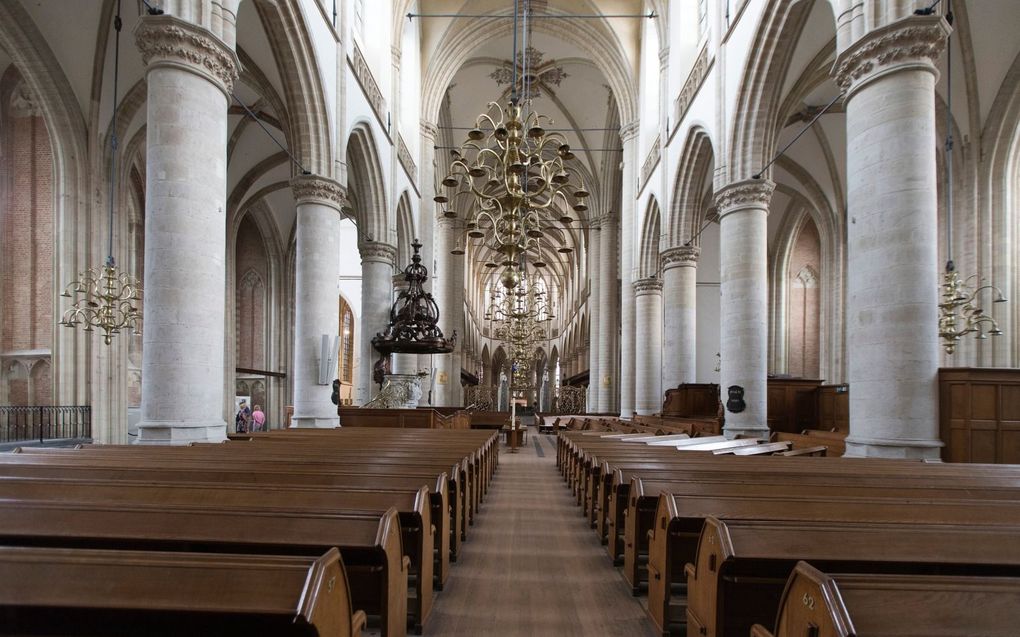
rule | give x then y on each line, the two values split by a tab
758	431
314	422
861	447
169	432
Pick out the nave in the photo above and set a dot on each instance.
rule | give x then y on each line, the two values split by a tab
532	566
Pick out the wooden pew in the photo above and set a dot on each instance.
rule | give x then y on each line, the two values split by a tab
160	594
639	525
742	566
679	518
369	543
417	536
439	509
618	503
463	486
266	469
821	605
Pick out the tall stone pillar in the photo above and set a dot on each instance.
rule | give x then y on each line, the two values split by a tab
629	136
648	348
680	334
376	301
448	290
316	294
189	76
608	328
892	238
454	281
743	215
594	312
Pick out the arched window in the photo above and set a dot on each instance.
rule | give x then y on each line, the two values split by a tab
346	370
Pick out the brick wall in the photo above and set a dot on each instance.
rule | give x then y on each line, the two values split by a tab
27	238
252	274
804	303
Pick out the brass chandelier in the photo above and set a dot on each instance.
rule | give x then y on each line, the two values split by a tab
521	316
105	299
511	176
960	311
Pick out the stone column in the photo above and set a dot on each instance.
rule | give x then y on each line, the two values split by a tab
189	76
609	294
316	294
594	312
629	136
376	301
680	334
445	294
648	348
892	235
743	215
454	311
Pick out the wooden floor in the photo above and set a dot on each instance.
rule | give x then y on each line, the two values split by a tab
532	566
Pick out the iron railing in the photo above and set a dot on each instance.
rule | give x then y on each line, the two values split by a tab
44	423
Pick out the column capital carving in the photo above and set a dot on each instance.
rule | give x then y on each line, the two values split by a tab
651	285
373	251
168	40
429	130
744	194
912	41
629	131
318	189
680	256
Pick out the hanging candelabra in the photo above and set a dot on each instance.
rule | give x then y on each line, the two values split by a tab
511	175
105	299
960	311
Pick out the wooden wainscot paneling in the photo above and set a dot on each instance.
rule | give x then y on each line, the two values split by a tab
834	408
392	418
692	400
793	404
979	414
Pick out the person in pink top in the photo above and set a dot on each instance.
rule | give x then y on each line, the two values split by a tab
258	419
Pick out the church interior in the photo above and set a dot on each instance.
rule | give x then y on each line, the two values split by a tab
510	317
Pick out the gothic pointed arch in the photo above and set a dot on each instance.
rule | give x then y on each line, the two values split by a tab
648	255
693	176
366	183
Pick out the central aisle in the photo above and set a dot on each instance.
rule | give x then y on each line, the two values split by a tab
532	566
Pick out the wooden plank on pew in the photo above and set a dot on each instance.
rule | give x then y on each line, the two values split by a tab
679	519
464	485
417	531
719	445
754	450
370	543
87	592
844	605
233	475
741	566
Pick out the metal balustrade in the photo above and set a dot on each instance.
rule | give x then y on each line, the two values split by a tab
42	423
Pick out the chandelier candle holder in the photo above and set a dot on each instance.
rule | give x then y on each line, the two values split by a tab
960	312
104	298
514	176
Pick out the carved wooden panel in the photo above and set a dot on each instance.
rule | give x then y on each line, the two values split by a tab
979	414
